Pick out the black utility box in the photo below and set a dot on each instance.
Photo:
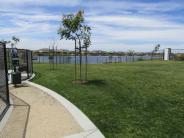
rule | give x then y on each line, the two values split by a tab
16	78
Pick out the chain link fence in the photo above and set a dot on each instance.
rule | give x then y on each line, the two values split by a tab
25	62
29	63
4	91
177	54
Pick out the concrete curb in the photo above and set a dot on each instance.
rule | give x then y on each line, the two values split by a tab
25	81
90	130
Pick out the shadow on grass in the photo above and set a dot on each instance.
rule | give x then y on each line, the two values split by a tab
96	82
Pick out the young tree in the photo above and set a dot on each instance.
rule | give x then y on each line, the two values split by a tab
73	28
14	53
156	48
131	53
14	41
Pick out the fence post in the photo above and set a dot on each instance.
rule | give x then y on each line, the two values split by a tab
32	62
26	51
167	54
6	73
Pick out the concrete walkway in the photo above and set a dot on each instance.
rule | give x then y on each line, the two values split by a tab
38	115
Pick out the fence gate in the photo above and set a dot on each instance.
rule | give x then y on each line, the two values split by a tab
4	90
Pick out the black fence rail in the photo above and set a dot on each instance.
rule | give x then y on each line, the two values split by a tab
4	90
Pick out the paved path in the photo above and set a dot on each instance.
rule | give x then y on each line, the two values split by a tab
41	116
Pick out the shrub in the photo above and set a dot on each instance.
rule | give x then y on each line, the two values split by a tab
179	57
140	59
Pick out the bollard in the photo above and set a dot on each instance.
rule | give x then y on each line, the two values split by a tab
167	54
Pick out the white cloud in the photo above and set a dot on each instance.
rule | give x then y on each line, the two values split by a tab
34	17
104	5
136	28
35	44
133	21
24	28
115	23
40	2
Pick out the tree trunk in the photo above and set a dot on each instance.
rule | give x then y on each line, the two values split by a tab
75	61
80	52
86	64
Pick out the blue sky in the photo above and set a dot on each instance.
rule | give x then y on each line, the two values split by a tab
117	25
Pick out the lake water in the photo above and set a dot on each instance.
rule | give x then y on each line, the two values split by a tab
93	59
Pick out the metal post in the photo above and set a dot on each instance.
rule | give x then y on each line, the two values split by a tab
49	57
86	64
80	52
167	54
6	73
26	51
56	57
53	57
75	61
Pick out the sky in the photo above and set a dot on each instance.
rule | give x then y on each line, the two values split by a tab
117	25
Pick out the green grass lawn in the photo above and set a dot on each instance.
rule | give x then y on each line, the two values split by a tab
125	100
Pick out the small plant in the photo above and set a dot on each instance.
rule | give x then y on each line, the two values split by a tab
14	53
130	53
140	59
155	50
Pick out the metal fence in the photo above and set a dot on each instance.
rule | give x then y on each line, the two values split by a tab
25	62
177	54
4	91
158	55
9	60
29	63
98	59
